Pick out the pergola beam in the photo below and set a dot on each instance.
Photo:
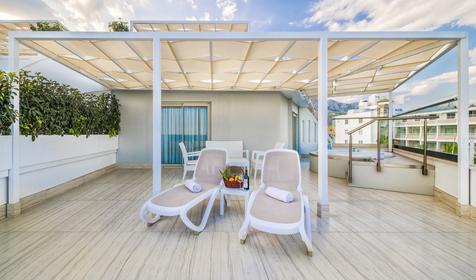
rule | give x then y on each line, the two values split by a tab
156	118
13	198
322	176
463	127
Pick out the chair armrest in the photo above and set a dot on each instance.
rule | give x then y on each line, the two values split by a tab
193	154
246	153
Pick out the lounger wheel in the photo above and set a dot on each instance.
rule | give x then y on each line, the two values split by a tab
196	232
242	241
309	253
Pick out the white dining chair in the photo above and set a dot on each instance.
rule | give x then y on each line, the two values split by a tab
257	158
188	164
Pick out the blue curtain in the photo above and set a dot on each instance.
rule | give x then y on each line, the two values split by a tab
188	124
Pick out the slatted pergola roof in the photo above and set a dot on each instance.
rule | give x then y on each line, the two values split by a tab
189	26
356	66
18	25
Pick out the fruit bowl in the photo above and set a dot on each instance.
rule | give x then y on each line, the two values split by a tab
232	184
232	176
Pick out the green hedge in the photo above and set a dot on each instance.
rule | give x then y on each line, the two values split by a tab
7	113
50	108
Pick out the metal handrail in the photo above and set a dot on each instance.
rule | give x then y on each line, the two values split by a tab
378	120
349	174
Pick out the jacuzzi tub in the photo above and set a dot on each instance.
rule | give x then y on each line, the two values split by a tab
338	159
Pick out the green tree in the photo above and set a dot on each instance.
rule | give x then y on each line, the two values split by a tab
118	26
46	26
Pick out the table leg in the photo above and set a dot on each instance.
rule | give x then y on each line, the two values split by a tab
246	201
222	206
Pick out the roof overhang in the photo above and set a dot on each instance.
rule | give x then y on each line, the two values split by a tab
188	26
359	62
18	25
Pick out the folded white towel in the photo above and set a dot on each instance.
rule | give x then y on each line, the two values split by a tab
193	186
279	194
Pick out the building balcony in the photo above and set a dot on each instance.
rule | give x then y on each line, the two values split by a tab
447	136
447	121
413	136
414	123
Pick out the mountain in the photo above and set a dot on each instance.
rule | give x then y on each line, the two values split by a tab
336	106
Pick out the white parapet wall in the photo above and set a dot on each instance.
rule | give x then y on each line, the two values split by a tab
5	165
52	160
472	182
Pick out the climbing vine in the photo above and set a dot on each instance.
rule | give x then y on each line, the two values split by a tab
50	108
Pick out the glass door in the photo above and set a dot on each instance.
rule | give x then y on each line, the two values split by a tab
188	124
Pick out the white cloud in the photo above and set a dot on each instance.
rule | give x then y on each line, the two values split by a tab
206	16
90	14
228	8
192	4
425	86
364	15
472	56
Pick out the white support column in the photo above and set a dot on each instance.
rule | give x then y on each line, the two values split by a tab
14	172
463	127
390	123
323	195
156	118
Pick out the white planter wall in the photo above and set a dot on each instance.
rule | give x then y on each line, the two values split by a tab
52	160
473	185
5	164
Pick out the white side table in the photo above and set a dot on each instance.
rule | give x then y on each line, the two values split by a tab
233	191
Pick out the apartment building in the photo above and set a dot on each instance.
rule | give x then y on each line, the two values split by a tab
442	132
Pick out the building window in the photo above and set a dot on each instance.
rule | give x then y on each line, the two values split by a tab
361	142
346	141
346	121
451	115
360	132
361	120
472	113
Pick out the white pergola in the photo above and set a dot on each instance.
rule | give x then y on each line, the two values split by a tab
18	25
336	63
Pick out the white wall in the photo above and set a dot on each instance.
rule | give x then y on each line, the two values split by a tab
52	160
260	119
473	185
5	165
445	178
307	131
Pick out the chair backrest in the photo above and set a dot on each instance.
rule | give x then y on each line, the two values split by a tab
281	169
279	145
183	149
233	148
209	164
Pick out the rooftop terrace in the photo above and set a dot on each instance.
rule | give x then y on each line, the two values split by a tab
93	232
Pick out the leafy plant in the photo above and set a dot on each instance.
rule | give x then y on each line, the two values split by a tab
50	108
8	115
231	172
46	26
118	26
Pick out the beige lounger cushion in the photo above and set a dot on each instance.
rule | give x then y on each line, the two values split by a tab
272	210
179	196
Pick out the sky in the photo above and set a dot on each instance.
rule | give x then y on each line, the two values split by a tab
438	80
